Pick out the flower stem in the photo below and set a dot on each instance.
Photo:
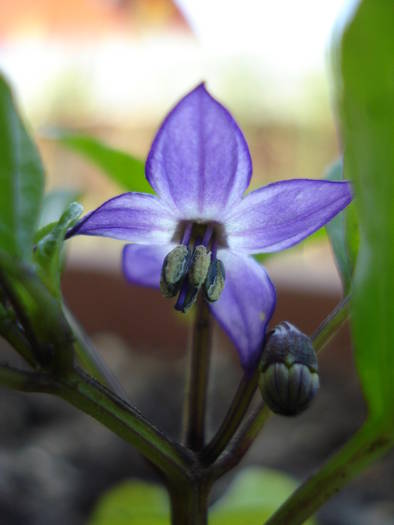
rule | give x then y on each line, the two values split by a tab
243	440
197	378
235	414
252	426
331	324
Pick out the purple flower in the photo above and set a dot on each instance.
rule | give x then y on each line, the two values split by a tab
197	234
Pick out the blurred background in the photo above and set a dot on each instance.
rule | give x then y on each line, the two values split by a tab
112	69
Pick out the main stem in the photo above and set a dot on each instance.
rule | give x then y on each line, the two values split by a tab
197	378
190	506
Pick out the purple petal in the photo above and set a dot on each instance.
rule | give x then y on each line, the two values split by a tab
133	217
142	264
283	213
199	163
246	305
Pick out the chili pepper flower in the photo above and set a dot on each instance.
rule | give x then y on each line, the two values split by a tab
197	234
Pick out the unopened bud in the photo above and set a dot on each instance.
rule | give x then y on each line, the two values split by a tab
174	269
199	265
289	377
214	283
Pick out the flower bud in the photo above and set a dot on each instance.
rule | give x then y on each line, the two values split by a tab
214	283
174	269
289	377
199	265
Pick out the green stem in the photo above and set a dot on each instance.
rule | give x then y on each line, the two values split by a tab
331	324
24	381
252	426
238	408
190	506
35	348
86	394
15	336
197	379
243	440
364	448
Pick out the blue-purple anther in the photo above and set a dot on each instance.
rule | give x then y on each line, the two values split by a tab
196	235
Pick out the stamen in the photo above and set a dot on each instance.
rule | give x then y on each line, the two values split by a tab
193	265
187	233
179	305
207	235
214	249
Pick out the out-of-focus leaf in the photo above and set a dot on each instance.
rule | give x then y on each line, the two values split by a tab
343	233
133	502
54	204
126	170
48	250
253	496
367	111
365	91
21	180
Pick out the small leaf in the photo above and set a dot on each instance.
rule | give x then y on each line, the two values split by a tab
133	502
21	180
343	233
54	204
253	496
124	169
48	251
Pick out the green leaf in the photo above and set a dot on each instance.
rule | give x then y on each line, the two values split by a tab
133	502
252	497
124	169
366	101
21	180
365	89
343	233
48	250
54	204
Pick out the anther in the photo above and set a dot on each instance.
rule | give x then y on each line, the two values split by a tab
214	283
199	265
174	269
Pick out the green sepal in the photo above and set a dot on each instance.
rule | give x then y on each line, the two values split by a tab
48	251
